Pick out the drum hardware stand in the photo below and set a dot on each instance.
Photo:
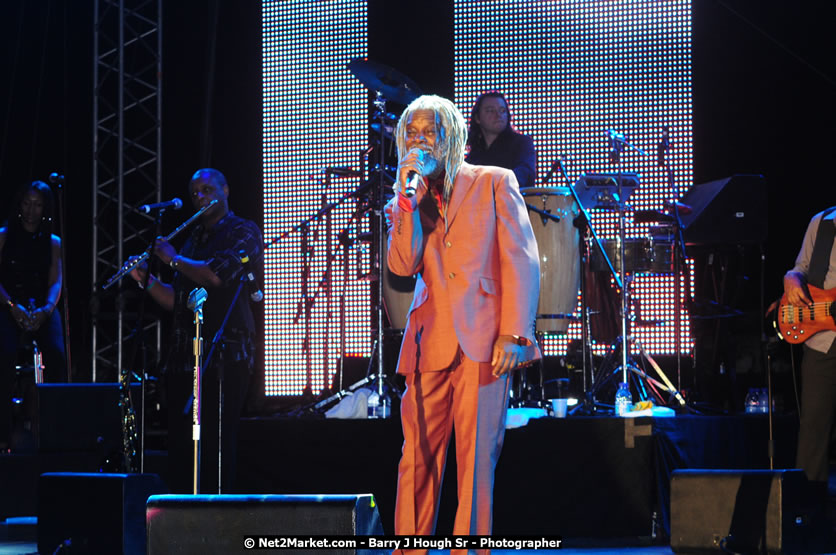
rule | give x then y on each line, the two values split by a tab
386	83
584	224
680	256
306	301
617	143
345	243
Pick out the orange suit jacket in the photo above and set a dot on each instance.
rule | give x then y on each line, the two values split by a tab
478	273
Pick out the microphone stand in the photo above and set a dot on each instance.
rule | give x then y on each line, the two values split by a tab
139	336
679	257
584	223
196	300
207	364
58	180
618	141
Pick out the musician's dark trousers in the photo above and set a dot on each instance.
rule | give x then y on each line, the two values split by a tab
50	338
818	412
180	444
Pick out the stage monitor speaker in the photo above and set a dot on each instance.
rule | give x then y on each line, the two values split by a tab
82	416
739	511
730	211
94	513
207	524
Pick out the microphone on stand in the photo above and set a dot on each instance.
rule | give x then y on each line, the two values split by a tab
173	204
663	145
616	140
555	165
56	178
252	284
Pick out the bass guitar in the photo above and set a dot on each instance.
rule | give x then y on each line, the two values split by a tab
796	324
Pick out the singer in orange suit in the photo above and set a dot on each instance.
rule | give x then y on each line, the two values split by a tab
465	232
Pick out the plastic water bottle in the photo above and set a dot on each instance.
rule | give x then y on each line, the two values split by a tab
623	399
373	403
379	405
764	400
752	402
37	363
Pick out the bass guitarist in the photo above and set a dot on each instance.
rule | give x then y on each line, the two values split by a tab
816	266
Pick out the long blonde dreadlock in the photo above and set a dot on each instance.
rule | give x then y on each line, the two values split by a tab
452	133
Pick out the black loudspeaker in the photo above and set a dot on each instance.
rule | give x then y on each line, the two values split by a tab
82	416
739	511
206	524
732	211
94	513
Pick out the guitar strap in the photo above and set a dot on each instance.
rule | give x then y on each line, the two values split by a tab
820	259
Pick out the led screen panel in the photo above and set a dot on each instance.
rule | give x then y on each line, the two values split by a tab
573	70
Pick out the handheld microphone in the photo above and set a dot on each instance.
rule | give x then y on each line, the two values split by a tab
252	285
412	182
174	204
56	178
413	178
554	166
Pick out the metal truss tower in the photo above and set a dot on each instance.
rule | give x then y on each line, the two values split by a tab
127	133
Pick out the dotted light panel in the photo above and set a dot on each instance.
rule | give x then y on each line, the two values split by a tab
315	115
573	69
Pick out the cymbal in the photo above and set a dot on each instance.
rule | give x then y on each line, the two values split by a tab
392	84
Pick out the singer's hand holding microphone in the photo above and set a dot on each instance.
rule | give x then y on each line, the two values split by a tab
410	172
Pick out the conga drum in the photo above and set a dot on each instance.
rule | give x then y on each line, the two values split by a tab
557	242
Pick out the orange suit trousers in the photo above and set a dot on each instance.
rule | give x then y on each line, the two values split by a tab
465	397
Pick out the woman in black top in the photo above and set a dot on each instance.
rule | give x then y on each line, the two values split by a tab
30	286
493	141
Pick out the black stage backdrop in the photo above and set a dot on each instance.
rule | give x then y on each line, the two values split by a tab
764	80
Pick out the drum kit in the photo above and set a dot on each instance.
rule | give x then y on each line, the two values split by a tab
392	294
566	239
